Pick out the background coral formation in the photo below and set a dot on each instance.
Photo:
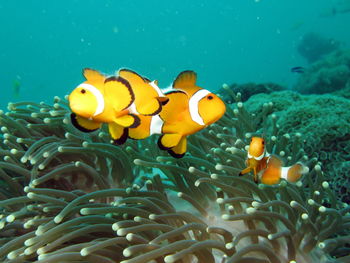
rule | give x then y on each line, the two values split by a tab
329	74
247	90
314	46
75	197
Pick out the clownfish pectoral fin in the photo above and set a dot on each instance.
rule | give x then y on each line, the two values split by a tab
244	171
294	172
151	107
118	133
83	124
167	141
119	92
92	75
128	121
180	149
186	81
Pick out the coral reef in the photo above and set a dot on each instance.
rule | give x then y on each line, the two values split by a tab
247	90
74	197
331	73
313	46
324	124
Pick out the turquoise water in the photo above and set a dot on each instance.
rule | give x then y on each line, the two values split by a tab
45	44
59	170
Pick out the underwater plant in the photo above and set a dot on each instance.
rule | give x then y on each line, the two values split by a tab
135	204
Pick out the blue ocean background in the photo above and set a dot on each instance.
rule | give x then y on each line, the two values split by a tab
46	44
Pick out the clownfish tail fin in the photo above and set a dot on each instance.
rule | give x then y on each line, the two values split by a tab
294	172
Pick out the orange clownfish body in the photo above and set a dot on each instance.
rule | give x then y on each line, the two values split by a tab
189	109
269	168
101	99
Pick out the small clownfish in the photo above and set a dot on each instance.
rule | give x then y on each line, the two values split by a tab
101	99
189	109
269	168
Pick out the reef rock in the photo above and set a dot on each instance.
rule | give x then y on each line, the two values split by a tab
313	46
227	92
330	74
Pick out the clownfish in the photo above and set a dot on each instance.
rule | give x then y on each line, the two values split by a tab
101	99
269	168
189	110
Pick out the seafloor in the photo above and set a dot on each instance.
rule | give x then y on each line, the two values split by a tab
68	196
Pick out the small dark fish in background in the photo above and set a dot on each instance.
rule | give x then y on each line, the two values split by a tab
297	70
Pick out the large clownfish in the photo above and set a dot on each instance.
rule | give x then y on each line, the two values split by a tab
189	109
113	100
269	168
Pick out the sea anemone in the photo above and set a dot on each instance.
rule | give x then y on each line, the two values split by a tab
74	197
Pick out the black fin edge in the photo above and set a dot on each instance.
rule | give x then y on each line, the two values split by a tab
157	110
145	79
122	139
176	155
137	121
160	145
175	91
126	84
77	125
165	102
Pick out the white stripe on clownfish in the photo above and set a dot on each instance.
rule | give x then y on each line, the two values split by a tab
264	154
132	108
193	105
98	95
155	86
156	125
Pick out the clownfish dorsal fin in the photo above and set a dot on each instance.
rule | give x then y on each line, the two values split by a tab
93	76
131	75
186	81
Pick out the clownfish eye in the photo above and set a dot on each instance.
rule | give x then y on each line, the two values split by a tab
83	91
210	97
263	142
